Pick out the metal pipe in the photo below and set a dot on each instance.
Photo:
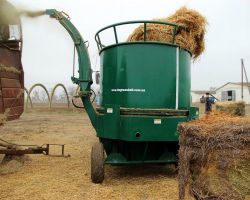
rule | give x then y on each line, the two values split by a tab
116	40
246	76
145	32
63	150
174	34
177	79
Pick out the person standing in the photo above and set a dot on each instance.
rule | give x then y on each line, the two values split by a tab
208	104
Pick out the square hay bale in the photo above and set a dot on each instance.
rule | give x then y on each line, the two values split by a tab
232	107
214	157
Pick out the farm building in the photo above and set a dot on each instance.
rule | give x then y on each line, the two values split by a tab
197	94
231	91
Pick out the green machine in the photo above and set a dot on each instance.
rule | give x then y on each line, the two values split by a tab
145	93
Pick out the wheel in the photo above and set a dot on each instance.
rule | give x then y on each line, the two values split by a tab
97	163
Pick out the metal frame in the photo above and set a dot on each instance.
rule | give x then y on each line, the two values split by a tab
145	22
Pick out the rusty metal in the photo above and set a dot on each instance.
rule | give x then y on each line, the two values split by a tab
25	151
33	150
48	147
11	82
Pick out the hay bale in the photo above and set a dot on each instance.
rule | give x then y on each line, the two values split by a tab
192	40
214	157
3	68
232	107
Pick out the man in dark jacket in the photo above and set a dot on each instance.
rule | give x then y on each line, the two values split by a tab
208	104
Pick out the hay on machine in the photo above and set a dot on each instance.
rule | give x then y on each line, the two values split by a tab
4	116
3	68
192	40
214	157
232	107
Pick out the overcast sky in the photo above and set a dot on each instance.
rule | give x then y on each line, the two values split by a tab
48	49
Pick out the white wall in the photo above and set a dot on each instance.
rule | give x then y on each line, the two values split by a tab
196	97
237	89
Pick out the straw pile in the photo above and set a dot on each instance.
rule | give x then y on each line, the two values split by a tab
192	40
214	157
232	107
10	167
3	68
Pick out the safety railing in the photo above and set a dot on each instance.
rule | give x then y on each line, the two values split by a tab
144	22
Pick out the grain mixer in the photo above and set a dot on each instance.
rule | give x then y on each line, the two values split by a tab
145	93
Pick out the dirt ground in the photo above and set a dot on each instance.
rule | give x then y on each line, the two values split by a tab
50	177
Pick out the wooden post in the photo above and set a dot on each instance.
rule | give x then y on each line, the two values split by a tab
242	80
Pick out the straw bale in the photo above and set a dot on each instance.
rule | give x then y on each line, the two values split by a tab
3	68
214	157
232	107
192	40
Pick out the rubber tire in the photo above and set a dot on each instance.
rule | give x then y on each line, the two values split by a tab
97	163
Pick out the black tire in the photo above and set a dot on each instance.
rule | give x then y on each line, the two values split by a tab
97	163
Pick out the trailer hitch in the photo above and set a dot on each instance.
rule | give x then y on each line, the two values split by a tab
33	150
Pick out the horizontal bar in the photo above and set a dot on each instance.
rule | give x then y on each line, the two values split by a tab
149	112
142	21
21	152
136	22
142	42
140	162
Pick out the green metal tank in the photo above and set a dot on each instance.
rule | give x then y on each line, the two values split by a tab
145	93
146	76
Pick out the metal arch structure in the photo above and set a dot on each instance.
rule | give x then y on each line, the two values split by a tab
77	88
38	84
53	91
29	97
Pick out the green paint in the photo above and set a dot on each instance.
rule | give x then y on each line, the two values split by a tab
135	76
85	77
149	68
